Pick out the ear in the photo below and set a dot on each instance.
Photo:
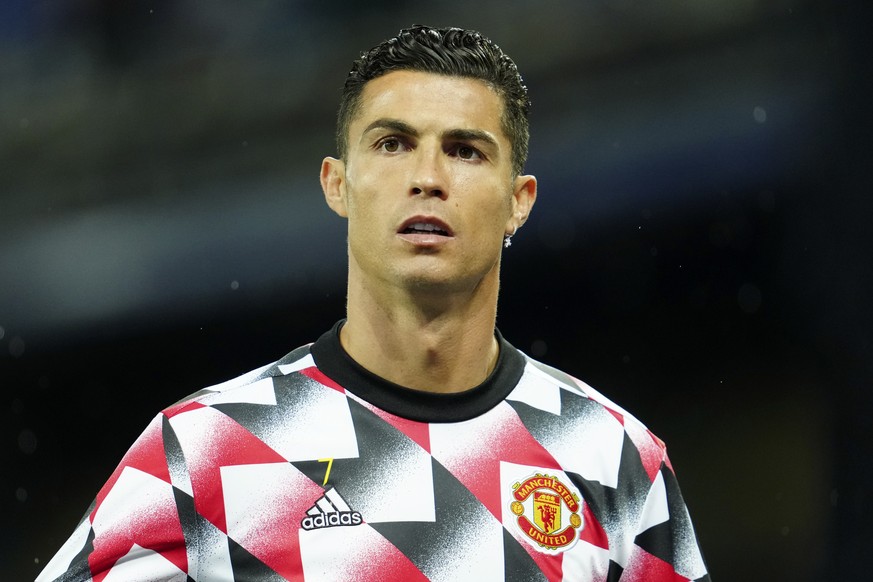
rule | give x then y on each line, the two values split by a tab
333	183
523	197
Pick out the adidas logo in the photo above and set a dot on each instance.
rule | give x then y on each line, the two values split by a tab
329	511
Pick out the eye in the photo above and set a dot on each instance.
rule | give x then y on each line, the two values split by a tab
390	145
466	152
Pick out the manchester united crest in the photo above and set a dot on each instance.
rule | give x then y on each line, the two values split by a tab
548	512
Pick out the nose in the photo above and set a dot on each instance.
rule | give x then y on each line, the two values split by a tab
429	175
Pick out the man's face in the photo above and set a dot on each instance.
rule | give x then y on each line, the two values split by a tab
427	183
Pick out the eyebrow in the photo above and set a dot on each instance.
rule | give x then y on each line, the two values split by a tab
455	134
471	135
393	125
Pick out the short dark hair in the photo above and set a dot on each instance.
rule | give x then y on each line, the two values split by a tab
444	51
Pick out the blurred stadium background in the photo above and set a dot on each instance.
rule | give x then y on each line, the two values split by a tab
700	250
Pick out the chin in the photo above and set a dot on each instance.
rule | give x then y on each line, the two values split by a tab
426	281
443	282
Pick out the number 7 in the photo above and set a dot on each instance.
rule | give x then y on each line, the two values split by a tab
326	473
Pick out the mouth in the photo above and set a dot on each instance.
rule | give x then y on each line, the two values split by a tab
425	226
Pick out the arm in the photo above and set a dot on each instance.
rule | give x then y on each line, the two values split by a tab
665	547
133	528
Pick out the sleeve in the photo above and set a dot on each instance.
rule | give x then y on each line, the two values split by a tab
132	530
665	548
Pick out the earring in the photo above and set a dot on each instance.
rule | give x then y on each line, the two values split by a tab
507	238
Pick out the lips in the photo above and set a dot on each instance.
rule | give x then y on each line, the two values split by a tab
425	225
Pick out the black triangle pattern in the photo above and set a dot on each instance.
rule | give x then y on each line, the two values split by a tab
247	567
518	566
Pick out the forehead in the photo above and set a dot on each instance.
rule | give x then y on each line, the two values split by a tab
428	99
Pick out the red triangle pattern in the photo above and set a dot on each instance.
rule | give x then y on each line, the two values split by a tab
228	443
319	377
273	536
592	531
179	407
618	416
146	454
506	439
157	529
388	563
419	432
651	450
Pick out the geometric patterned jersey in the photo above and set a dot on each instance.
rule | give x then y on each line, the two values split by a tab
313	469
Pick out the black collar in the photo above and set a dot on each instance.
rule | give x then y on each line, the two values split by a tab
418	405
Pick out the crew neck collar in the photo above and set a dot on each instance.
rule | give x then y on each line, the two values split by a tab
333	361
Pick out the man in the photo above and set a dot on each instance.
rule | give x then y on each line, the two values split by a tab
411	441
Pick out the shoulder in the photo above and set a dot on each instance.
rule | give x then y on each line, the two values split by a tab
230	389
551	389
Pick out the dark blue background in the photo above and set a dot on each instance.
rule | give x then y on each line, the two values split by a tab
699	251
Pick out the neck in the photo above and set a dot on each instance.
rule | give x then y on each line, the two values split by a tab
435	340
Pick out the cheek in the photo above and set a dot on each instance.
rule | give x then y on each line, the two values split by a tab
364	189
488	191
355	198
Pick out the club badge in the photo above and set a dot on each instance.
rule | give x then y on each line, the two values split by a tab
548	512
